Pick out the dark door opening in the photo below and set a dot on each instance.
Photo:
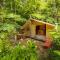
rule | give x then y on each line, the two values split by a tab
37	29
41	29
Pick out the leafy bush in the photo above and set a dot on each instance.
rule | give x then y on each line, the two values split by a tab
38	16
54	51
17	52
54	55
56	40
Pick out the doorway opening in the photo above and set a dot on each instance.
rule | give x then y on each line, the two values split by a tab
41	29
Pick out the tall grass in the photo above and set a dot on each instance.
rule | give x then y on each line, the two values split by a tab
17	52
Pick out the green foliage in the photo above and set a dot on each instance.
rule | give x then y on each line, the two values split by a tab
14	13
56	40
38	16
3	35
4	47
51	20
7	27
17	52
54	55
54	51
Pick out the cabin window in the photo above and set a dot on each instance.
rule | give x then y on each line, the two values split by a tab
37	30
41	30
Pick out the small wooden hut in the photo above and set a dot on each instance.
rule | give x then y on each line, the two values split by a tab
36	28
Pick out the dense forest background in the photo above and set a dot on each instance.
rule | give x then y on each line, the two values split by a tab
14	13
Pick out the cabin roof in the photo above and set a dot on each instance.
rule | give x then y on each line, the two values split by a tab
48	25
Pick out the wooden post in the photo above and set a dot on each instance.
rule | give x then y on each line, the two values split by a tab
33	30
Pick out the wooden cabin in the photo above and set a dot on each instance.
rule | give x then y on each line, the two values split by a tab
36	28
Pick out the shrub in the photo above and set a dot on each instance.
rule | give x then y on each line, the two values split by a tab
56	40
54	51
54	54
18	52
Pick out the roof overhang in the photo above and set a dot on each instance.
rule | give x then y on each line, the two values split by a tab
38	22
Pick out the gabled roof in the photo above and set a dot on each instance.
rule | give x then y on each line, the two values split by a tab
38	22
